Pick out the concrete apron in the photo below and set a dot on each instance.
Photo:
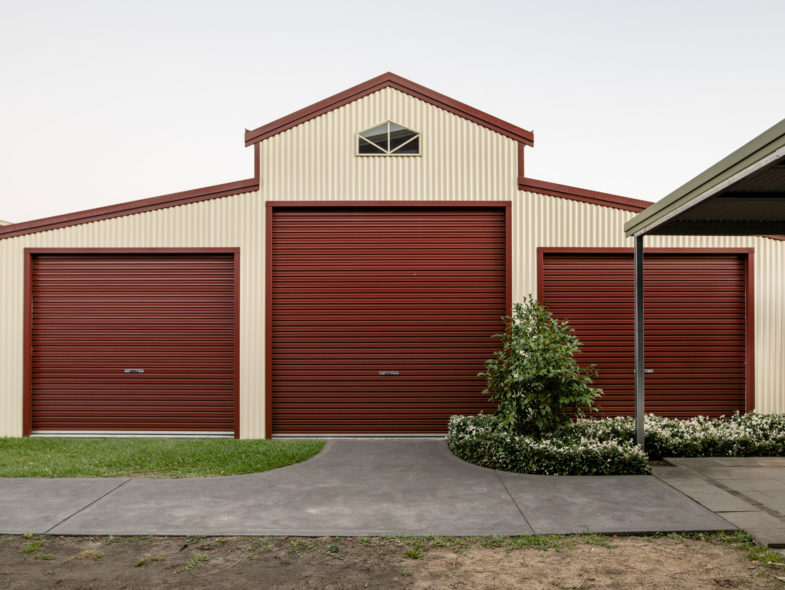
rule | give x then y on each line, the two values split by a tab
747	491
355	487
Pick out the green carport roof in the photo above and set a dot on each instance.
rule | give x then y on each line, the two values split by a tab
742	194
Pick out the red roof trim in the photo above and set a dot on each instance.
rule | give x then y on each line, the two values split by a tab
133	207
389	80
581	194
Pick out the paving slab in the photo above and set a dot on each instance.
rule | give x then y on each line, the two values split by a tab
36	505
700	490
772	499
756	483
765	528
608	504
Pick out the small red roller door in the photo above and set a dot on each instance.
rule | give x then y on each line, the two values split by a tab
382	317
97	319
694	334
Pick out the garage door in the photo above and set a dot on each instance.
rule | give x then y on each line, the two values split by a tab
133	342
382	317
694	334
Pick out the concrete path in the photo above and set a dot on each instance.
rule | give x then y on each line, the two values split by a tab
355	487
747	491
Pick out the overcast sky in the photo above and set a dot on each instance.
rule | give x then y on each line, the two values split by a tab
104	102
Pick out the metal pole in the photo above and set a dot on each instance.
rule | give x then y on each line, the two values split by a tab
640	372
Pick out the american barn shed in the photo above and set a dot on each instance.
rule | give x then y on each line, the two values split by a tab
352	285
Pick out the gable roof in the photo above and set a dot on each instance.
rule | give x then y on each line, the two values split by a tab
389	80
253	137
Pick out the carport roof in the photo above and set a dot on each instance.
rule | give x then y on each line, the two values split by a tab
742	194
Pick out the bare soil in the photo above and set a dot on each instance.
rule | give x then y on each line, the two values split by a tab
386	562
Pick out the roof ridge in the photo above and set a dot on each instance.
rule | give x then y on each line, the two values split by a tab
389	80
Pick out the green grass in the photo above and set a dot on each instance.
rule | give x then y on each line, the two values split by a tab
191	563
755	551
69	457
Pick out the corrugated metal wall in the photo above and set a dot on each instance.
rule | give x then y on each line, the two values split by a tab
460	160
229	222
315	161
540	220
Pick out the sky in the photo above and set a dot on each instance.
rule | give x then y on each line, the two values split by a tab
103	102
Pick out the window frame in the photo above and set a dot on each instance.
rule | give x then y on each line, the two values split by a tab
387	153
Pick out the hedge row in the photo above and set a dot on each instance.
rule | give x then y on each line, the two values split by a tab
607	446
479	440
729	436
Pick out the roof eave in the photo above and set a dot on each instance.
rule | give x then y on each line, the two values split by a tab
389	80
752	156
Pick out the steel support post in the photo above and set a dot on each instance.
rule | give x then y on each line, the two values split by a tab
640	372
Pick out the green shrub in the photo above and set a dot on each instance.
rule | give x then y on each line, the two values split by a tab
607	446
482	440
728	436
534	377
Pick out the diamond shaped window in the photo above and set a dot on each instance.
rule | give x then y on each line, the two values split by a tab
388	139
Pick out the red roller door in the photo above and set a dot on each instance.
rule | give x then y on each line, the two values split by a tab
99	320
695	330
382	316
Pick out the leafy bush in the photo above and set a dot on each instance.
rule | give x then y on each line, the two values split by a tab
534	377
607	446
729	436
482	440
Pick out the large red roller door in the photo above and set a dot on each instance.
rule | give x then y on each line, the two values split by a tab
695	332
383	316
133	342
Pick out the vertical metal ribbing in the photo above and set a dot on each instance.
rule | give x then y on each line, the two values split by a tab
640	373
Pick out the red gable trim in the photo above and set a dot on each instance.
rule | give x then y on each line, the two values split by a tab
132	207
389	80
581	194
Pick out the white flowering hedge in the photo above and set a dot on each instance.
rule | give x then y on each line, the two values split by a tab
607	446
729	436
480	440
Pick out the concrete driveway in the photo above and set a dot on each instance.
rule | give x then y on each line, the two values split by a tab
747	491
355	487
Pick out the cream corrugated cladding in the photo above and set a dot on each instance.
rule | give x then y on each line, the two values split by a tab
316	161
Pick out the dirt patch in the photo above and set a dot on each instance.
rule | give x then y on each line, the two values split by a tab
380	562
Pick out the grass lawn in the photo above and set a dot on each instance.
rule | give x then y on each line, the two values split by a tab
79	457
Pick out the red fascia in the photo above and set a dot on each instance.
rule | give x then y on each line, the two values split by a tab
581	194
133	207
389	80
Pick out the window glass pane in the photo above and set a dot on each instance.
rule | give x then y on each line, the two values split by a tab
413	147
399	135
377	135
368	148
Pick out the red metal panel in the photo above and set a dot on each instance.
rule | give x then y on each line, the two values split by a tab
696	327
96	315
356	291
